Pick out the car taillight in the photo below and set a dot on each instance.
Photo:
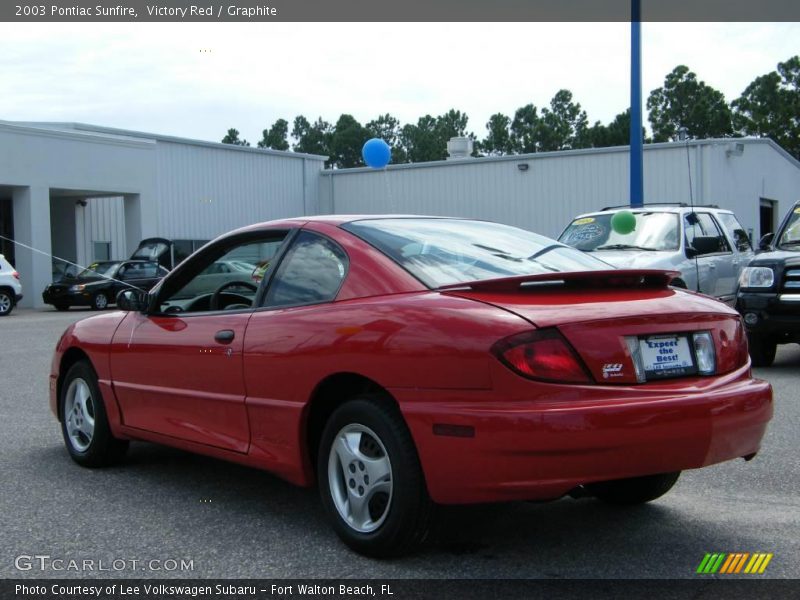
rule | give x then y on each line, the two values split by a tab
15	274
542	354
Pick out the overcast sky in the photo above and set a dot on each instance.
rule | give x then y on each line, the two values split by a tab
154	77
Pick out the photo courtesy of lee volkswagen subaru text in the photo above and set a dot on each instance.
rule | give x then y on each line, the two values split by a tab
398	363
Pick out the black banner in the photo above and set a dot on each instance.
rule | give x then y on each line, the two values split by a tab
701	588
386	10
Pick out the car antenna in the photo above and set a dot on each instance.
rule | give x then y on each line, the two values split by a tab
53	256
682	135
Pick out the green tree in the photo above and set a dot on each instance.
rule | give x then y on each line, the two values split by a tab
683	101
498	139
387	128
562	126
770	106
232	137
421	142
312	138
427	139
616	133
525	129
347	140
276	136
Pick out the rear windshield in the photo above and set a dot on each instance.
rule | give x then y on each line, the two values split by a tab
652	231
442	252
104	269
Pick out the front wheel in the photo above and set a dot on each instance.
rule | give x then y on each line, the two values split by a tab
370	479
762	349
100	301
84	424
636	490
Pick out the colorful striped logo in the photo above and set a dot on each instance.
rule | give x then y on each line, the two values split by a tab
734	563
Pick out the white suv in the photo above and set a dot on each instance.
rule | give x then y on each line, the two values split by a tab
706	244
10	287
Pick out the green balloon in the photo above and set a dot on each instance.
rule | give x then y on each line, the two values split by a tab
623	222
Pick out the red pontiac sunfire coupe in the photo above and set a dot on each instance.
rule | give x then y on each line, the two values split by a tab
404	362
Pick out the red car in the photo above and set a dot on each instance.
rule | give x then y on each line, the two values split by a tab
404	362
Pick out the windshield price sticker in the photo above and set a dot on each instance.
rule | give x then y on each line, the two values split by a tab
666	356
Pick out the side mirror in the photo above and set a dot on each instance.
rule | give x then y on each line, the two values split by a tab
765	241
703	245
134	300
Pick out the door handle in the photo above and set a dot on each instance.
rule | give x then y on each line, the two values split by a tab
224	336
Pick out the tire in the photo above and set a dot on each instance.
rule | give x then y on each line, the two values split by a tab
6	303
84	424
762	349
100	301
636	490
61	307
373	441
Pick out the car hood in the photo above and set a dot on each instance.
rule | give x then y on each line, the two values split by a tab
790	258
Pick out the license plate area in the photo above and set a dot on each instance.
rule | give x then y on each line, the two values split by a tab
667	355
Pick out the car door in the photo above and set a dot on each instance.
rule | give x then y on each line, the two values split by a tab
177	369
289	340
712	264
742	247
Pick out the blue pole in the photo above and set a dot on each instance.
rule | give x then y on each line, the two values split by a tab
636	167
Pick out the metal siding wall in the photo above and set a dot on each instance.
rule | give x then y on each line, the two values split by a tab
204	192
556	188
105	222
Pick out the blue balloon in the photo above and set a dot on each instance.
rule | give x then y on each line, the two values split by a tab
376	153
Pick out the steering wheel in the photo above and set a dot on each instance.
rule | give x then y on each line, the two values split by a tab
213	303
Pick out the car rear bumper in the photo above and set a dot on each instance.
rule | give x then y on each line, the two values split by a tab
531	450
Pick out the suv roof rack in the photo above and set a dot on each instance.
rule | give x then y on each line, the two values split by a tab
646	205
680	204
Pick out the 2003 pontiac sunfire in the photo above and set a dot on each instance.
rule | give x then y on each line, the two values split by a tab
404	362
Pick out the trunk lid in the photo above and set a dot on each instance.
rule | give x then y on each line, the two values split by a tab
597	311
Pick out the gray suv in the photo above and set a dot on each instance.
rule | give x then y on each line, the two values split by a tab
706	244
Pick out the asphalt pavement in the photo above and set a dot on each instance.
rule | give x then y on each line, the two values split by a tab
162	508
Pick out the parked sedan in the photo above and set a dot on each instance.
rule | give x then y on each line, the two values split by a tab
97	286
399	363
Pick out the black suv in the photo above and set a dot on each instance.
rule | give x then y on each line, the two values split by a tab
769	291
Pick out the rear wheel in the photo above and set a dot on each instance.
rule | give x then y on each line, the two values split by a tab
84	424
6	303
370	479
762	349
636	490
100	301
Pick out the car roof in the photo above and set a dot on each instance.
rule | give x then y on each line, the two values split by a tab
677	209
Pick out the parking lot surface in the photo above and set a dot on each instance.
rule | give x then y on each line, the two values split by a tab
223	520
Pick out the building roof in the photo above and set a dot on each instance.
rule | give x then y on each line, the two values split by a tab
113	133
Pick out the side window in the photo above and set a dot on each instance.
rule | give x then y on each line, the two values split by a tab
736	231
311	272
701	229
210	284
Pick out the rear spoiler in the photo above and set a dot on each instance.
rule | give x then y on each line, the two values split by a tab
616	278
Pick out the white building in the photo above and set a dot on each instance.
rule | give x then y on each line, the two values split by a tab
86	193
83	192
755	178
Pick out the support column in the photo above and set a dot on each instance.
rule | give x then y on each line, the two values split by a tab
133	222
32	227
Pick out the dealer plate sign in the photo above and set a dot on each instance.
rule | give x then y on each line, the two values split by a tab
666	356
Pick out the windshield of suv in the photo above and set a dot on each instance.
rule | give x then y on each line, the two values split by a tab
653	231
441	252
791	233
